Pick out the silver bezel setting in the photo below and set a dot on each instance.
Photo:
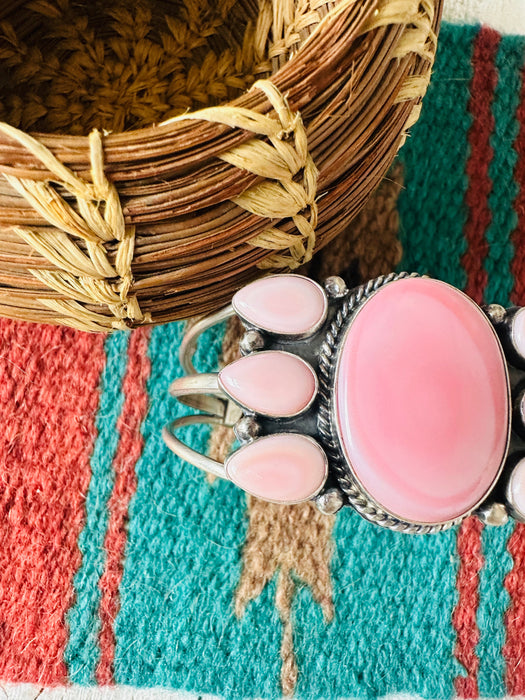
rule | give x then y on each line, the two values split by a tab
348	481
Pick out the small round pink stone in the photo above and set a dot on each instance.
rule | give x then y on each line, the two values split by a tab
287	304
516	488
286	468
272	383
518	332
422	400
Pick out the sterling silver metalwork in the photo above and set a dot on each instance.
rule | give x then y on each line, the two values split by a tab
320	348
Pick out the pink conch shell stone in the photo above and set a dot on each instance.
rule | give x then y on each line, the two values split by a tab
272	383
285	468
518	332
516	488
422	400
287	304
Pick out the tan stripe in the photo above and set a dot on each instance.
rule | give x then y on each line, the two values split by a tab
284	539
283	603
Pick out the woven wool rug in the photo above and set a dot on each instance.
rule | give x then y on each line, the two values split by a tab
121	565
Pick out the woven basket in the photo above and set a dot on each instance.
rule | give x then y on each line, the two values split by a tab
205	147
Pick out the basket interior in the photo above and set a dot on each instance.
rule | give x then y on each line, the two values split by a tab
69	66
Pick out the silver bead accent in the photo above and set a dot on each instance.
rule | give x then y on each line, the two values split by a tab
330	501
495	514
335	287
495	312
251	341
246	429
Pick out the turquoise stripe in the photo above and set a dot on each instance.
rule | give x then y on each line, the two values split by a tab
509	61
176	626
394	595
431	204
82	651
493	602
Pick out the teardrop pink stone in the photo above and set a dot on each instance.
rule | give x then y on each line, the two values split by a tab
287	304
422	401
272	383
285	468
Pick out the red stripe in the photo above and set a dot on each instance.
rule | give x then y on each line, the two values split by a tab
484	82
128	452
464	618
514	649
48	397
518	237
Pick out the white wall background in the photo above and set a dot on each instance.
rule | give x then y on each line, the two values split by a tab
507	16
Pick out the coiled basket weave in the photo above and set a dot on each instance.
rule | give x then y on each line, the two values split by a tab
156	155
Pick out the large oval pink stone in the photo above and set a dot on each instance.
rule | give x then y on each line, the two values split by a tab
273	383
287	304
422	400
285	468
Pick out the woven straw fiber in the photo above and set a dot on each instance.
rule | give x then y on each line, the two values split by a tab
178	149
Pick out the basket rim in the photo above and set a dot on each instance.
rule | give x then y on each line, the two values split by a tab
293	79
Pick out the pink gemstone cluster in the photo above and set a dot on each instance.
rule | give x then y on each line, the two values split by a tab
286	467
421	406
401	398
